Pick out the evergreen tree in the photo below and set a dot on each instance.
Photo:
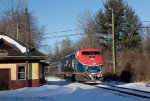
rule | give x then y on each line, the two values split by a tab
127	24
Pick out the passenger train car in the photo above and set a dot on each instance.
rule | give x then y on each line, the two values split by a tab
84	65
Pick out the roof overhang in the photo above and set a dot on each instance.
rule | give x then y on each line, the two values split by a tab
21	58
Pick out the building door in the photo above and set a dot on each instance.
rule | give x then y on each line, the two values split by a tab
4	79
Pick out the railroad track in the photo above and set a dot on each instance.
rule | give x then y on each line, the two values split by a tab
128	91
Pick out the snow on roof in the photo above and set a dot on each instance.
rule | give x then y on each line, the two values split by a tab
10	40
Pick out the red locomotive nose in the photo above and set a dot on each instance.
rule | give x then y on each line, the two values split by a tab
90	56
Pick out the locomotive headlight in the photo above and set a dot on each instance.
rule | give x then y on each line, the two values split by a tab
100	74
93	76
93	63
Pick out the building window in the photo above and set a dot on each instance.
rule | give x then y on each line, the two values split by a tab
21	73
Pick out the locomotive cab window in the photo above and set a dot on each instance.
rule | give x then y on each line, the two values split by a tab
86	53
92	53
97	53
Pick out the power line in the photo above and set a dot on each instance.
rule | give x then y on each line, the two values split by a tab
70	30
91	35
64	31
145	21
70	34
144	27
64	35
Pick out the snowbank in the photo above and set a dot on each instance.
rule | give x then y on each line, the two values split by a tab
61	90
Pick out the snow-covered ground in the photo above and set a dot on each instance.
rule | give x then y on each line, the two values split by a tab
61	90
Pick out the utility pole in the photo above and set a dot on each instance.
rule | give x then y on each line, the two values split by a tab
26	32
113	44
17	32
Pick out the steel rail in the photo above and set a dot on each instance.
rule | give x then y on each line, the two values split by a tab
131	89
122	90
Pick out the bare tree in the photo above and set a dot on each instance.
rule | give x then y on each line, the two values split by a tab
86	23
18	22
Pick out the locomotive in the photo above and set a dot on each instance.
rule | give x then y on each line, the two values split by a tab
84	65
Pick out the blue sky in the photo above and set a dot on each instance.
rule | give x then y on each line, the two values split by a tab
59	15
142	8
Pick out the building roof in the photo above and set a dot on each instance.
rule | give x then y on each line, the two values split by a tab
13	42
11	49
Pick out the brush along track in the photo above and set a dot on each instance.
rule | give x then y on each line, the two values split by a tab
128	91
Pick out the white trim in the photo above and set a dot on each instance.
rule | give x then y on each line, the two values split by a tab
21	72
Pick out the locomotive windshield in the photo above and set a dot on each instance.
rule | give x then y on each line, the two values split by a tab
93	68
91	53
